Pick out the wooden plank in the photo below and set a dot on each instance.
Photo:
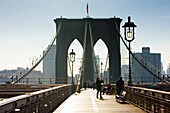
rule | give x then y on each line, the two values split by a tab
86	102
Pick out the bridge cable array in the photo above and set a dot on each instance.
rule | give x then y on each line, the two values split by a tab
107	59
146	65
36	64
88	27
93	52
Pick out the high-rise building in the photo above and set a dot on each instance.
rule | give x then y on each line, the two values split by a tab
168	70
49	63
140	74
125	72
98	65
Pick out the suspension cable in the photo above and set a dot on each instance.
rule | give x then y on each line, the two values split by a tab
93	52
83	58
55	38
85	34
106	62
69	63
140	62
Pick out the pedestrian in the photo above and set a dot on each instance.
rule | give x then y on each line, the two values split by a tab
119	85
94	85
85	85
99	87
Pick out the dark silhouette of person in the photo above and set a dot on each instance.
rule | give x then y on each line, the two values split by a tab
85	85
94	86
99	87
119	85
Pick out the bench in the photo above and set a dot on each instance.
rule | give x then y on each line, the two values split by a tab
121	98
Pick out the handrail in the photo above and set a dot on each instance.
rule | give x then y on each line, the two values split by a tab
149	100
43	101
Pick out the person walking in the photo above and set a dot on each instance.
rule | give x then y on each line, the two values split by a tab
85	85
99	87
119	85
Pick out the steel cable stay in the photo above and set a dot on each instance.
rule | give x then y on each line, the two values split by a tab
37	63
107	59
79	84
146	65
85	34
82	64
87	24
68	59
105	68
93	52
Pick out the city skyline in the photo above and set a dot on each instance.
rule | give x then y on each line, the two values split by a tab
27	27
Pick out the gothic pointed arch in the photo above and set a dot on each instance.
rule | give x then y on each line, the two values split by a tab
106	29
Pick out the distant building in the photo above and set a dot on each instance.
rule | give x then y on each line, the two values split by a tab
12	75
125	72
162	69
106	76
98	65
167	75
105	72
49	63
168	70
141	75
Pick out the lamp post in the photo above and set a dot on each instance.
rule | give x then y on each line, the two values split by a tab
129	33
72	59
101	69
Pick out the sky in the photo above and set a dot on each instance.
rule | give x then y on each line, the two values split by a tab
27	26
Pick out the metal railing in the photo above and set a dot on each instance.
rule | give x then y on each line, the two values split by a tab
143	80
43	101
37	81
152	101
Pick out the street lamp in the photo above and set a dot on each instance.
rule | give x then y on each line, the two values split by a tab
72	59
129	33
101	69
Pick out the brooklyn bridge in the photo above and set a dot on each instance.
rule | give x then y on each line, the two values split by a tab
75	97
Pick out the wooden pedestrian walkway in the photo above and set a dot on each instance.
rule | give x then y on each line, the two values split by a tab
86	102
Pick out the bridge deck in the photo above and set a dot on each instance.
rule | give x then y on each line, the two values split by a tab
86	102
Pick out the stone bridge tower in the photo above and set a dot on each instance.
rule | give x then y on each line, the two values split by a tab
71	29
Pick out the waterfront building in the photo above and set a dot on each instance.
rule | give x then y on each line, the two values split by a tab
49	63
141	75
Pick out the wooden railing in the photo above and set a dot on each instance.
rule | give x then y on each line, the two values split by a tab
43	101
152	101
